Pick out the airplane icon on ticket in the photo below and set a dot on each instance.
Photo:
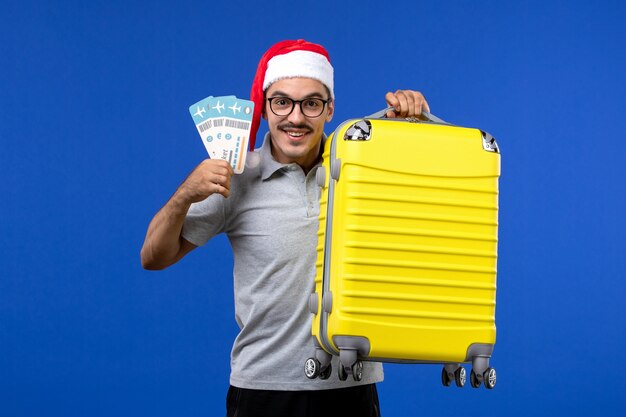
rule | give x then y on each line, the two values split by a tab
218	107
234	108
200	112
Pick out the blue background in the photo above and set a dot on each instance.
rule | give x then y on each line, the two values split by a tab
95	136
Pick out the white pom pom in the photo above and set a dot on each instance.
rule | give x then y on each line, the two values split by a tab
253	159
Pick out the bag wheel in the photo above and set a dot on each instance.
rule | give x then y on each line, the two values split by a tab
489	376
460	377
445	378
312	368
474	381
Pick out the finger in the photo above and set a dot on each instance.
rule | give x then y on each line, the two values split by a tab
411	105
220	189
216	183
221	180
221	165
217	162
226	183
225	171
420	103
404	104
392	101
210	167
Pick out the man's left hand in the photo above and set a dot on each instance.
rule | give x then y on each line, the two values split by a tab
406	103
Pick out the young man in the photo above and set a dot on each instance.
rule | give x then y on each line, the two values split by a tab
270	215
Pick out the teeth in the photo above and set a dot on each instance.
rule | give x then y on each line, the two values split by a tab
295	134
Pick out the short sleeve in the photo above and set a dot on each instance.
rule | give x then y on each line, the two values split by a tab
204	220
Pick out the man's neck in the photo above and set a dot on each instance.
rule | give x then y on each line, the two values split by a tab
307	162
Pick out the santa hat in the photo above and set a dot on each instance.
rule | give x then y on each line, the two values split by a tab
288	59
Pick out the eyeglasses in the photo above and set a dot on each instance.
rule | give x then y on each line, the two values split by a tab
310	107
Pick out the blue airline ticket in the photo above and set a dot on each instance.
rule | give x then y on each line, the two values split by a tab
224	125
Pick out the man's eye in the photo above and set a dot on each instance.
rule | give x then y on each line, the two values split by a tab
312	104
281	102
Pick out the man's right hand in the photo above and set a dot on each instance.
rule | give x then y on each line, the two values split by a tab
211	176
164	244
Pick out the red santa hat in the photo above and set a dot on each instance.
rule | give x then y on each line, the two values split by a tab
288	59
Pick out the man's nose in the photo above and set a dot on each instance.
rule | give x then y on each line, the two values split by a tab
296	115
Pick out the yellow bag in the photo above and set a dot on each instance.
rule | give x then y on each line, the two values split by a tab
407	251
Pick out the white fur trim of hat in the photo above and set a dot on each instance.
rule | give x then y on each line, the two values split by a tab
305	64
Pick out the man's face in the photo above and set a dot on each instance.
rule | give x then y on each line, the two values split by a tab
296	137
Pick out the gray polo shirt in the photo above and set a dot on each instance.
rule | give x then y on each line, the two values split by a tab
271	220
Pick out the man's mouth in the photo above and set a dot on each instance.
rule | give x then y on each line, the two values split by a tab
295	132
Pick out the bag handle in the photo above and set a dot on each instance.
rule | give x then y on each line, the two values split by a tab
425	116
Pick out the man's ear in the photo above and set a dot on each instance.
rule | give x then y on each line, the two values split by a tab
331	110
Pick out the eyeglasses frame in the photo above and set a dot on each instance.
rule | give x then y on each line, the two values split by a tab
299	102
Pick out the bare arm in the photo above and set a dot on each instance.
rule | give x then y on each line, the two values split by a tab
164	245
